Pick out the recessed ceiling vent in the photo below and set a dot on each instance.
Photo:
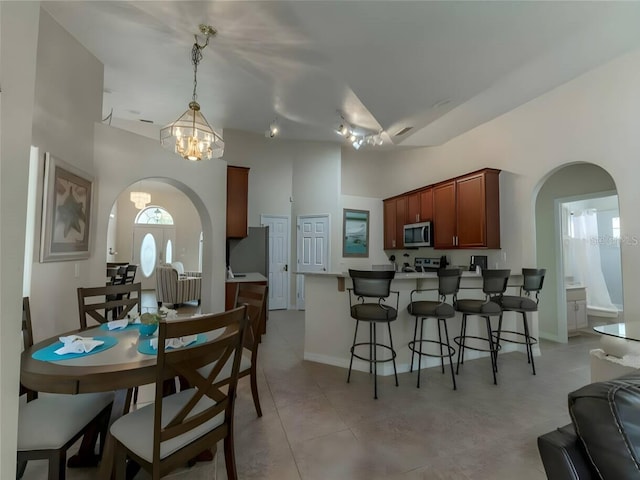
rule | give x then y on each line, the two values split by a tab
144	120
403	131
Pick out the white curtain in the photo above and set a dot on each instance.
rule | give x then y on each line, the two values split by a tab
583	258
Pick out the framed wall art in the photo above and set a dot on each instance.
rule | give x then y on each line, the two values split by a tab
355	230
66	212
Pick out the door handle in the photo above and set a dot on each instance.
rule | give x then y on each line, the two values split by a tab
286	268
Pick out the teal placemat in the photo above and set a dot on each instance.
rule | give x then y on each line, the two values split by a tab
144	346
47	354
131	326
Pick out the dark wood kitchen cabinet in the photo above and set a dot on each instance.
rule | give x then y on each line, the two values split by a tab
420	206
395	218
466	211
237	201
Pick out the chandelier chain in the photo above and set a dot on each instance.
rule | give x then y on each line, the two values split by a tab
196	57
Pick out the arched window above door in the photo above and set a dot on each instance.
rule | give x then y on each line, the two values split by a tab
154	215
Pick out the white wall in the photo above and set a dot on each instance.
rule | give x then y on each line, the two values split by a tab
18	46
66	107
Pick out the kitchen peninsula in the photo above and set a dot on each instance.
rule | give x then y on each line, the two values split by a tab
329	326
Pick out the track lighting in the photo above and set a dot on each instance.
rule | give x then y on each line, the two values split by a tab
274	130
357	139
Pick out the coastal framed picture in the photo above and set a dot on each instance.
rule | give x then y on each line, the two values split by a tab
66	212
355	233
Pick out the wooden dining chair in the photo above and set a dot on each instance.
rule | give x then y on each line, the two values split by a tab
95	302
174	429
49	424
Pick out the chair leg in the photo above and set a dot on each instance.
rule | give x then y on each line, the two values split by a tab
440	342
254	390
21	466
230	456
355	335
527	338
120	462
420	350
415	332
463	333
446	333
491	350
375	363
58	465
393	352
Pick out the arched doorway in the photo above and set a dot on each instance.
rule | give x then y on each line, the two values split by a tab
166	230
578	182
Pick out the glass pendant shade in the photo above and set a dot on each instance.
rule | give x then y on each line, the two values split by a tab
192	137
140	199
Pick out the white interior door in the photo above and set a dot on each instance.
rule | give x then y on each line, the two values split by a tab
313	249
279	241
151	243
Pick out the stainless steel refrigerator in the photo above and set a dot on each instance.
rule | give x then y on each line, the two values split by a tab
250	254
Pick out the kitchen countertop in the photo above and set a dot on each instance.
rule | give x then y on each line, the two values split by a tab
249	277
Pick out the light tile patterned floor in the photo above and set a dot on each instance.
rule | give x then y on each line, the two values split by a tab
316	426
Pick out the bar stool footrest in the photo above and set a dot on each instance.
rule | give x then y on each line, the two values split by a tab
451	350
532	340
371	360
462	344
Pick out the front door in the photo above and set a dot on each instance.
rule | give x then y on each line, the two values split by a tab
151	245
313	249
279	239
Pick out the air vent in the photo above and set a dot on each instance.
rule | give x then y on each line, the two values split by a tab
403	131
146	121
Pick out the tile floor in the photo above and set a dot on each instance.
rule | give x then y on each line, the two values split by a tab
316	426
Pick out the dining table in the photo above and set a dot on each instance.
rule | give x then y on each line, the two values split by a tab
118	368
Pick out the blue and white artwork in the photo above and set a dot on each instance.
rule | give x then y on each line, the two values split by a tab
356	233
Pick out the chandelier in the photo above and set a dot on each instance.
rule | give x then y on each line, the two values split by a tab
140	199
190	135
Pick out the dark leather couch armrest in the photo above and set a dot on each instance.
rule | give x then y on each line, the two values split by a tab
563	455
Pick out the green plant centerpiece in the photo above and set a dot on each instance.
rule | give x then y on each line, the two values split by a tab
149	323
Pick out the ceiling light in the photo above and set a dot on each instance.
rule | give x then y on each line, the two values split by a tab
190	135
140	199
274	130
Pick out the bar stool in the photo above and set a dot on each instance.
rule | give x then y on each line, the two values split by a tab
372	285
494	283
533	278
448	284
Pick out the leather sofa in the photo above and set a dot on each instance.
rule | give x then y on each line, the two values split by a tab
603	440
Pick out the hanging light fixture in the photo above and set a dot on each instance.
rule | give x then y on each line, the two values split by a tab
140	199
191	136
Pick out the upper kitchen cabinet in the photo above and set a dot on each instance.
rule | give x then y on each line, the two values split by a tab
395	215
420	206
237	201
466	211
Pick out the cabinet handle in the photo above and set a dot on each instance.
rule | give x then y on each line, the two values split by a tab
393	243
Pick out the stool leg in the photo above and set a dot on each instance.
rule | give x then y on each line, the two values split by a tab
413	352
527	338
375	362
497	342
420	351
393	352
440	342
491	350
372	347
463	332
446	333
352	347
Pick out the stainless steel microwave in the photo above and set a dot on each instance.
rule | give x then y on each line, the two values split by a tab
418	235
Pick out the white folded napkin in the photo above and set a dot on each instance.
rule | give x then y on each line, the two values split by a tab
168	312
117	324
174	342
77	344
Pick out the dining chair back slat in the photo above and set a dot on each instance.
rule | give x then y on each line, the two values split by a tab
255	297
95	302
